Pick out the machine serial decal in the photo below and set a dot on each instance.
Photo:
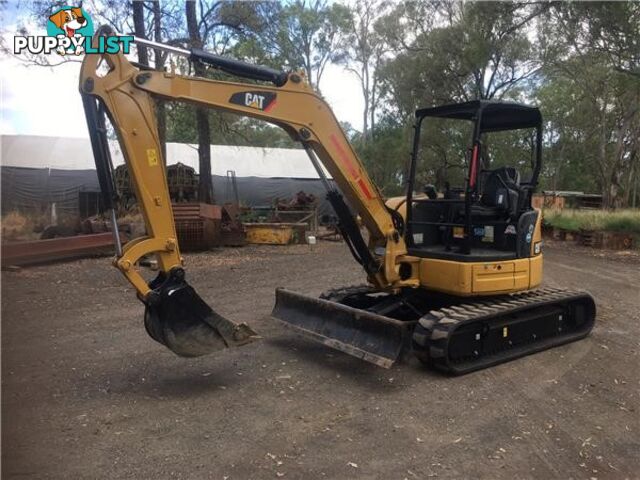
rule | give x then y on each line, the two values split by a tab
259	100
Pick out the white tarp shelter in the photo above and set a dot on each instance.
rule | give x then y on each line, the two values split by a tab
39	171
75	154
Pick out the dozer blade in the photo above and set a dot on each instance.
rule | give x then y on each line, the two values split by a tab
179	319
371	337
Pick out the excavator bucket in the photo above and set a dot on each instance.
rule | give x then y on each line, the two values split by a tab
375	338
179	319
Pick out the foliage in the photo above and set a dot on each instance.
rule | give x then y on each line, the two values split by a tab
385	156
226	129
578	61
443	157
592	105
297	35
470	50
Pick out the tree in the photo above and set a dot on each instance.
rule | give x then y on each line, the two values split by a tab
467	51
205	185
159	63
385	155
365	48
139	29
593	107
299	34
610	28
449	52
578	61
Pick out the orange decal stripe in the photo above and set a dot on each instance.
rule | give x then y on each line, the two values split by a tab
363	187
352	169
345	157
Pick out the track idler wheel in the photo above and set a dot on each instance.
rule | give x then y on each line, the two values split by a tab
178	318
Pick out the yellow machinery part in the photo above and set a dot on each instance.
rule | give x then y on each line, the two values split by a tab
480	278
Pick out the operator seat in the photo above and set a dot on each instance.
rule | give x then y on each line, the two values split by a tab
500	193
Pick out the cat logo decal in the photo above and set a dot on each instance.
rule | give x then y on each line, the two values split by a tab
255	99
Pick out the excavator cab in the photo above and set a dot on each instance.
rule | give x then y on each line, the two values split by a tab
489	217
475	248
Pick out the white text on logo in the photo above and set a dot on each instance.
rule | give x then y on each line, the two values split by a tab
253	100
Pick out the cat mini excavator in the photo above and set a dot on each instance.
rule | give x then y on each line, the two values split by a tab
452	276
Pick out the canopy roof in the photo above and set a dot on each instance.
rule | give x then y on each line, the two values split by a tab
496	116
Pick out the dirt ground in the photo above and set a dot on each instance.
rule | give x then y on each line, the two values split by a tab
86	394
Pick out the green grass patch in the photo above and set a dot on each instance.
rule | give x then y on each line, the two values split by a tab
627	221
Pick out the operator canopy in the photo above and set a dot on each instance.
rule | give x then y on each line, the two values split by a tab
496	116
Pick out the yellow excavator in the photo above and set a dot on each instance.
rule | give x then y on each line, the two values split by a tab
452	277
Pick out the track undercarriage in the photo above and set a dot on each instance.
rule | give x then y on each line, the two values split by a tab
451	334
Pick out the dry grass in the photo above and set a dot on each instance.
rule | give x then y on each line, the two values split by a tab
627	221
131	218
14	222
18	226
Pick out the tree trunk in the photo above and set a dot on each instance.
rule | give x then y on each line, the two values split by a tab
138	26
365	93
205	183
161	111
635	189
372	108
602	159
365	119
626	199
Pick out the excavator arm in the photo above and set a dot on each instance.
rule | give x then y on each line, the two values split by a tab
175	314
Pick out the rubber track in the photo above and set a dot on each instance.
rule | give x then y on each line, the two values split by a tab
431	337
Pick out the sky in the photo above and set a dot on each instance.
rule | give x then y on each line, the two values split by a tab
38	100
45	101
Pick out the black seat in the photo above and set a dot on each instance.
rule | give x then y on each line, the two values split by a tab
500	191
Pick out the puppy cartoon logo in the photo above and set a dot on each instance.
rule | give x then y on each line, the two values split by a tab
70	31
72	23
258	100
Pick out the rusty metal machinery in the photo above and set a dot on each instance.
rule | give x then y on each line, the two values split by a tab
182	181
